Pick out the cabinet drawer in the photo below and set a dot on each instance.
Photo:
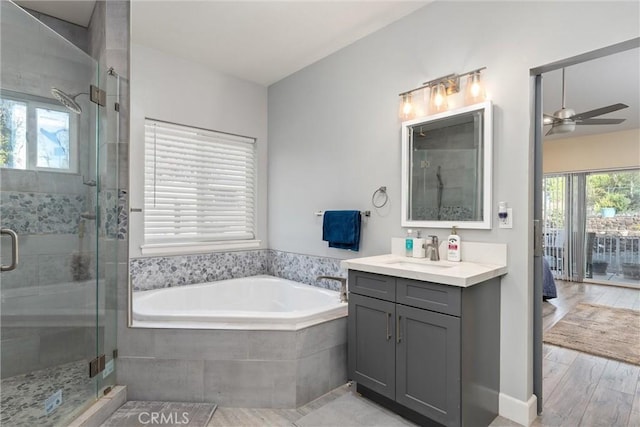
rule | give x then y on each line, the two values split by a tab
431	296
372	285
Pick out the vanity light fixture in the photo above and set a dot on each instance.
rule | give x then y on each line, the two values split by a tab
406	107
440	89
438	98
475	88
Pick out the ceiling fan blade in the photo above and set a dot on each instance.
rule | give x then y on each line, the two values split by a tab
599	111
600	122
551	131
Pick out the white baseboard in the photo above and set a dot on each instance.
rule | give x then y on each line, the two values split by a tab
521	412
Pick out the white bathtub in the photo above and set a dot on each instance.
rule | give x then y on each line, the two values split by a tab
251	303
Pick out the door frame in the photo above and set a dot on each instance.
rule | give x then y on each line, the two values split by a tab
537	126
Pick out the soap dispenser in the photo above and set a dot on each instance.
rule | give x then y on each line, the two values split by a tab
453	246
408	244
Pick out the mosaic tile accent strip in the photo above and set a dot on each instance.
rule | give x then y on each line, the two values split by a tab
33	213
59	213
452	213
108	214
166	272
305	268
19	211
123	214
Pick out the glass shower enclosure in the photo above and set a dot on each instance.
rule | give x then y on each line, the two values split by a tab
58	208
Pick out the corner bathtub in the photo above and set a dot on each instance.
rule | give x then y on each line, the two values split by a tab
250	303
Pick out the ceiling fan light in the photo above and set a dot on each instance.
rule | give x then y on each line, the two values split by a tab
564	127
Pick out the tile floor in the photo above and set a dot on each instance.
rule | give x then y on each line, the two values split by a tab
580	390
22	396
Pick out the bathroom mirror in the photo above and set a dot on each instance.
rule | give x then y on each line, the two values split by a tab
446	169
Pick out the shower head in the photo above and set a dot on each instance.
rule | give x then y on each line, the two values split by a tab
67	100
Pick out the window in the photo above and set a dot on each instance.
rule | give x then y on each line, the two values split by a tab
199	187
36	134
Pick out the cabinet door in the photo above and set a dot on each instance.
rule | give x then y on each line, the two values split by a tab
371	345
428	364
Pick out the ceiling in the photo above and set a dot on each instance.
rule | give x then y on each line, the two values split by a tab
593	84
259	41
76	12
265	41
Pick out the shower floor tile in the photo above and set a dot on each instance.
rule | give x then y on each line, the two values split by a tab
22	397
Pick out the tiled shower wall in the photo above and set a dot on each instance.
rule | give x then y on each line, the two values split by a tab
44	209
56	246
165	272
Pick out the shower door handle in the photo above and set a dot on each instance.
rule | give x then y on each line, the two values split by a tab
14	249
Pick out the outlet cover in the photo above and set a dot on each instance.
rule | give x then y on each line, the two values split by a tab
508	221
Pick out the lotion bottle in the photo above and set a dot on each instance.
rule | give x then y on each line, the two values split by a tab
453	246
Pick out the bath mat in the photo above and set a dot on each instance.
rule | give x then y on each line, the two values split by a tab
164	414
600	330
350	410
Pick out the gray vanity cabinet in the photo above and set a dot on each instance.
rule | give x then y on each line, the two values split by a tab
428	364
425	350
371	326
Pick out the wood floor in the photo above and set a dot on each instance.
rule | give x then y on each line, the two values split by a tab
579	390
584	390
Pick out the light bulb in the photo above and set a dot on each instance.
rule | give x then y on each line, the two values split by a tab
439	98
475	89
406	107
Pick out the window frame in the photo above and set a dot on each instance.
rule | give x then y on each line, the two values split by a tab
198	244
34	102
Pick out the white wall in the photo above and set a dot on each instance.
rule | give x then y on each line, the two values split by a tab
168	88
606	151
334	136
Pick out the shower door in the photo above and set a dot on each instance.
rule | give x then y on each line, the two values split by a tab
49	194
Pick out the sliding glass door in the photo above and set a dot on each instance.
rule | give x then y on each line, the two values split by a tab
592	226
613	225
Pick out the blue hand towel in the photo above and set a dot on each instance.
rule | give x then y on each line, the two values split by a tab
342	229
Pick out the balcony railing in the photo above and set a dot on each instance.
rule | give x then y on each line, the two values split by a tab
611	255
616	251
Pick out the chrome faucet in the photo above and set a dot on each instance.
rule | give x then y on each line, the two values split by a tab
343	285
433	252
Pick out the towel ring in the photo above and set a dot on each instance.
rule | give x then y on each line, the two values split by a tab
383	192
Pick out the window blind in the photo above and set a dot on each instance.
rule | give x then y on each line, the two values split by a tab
199	185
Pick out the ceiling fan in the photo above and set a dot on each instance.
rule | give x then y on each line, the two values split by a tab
565	119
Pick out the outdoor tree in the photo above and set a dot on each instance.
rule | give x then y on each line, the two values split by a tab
6	147
619	190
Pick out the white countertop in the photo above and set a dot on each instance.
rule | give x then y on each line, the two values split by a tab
462	274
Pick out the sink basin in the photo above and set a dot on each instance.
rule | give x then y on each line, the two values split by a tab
426	265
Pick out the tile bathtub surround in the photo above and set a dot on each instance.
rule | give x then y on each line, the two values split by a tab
305	268
165	272
267	369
